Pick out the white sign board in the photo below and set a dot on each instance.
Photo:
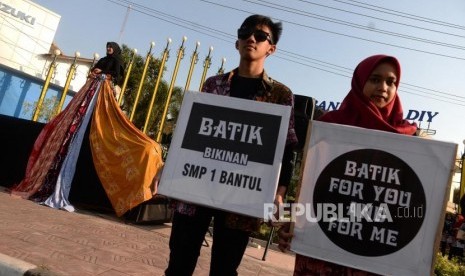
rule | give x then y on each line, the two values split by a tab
226	153
373	200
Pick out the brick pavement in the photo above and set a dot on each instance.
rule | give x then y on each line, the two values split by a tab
89	243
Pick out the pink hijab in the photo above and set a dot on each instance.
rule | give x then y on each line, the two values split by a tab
358	110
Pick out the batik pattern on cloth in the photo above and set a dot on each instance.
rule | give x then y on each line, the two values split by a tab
51	147
126	160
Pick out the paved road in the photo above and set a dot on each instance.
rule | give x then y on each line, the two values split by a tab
90	243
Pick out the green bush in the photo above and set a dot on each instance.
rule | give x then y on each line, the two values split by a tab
445	267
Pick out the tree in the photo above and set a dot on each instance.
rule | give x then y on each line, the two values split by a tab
47	111
146	93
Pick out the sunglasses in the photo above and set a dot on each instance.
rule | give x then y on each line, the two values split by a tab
259	35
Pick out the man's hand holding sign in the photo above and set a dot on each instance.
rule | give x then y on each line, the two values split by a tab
225	156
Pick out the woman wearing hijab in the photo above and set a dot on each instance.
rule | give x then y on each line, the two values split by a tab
111	64
372	103
126	160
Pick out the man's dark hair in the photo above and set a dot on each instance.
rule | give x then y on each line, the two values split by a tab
258	20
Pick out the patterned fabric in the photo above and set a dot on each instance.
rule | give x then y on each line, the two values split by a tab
51	146
272	92
64	178
126	160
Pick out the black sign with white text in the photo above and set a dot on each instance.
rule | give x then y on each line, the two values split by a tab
232	135
380	200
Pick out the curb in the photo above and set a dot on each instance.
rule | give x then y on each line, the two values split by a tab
10	266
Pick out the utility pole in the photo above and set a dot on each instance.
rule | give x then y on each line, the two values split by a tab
123	26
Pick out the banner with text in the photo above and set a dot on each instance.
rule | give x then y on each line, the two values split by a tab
372	200
226	153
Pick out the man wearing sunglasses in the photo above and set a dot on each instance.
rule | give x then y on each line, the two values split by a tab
257	39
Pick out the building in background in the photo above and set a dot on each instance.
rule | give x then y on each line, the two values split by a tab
27	31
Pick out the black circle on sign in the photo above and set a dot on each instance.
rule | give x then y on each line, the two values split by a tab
362	178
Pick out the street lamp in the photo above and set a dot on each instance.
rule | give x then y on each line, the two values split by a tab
141	83
206	65
96	56
194	60
50	74
221	69
155	89
71	75
170	89
126	77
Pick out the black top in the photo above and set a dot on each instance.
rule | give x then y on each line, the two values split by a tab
112	64
248	88
245	88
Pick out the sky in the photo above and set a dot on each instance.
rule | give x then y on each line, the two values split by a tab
322	42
